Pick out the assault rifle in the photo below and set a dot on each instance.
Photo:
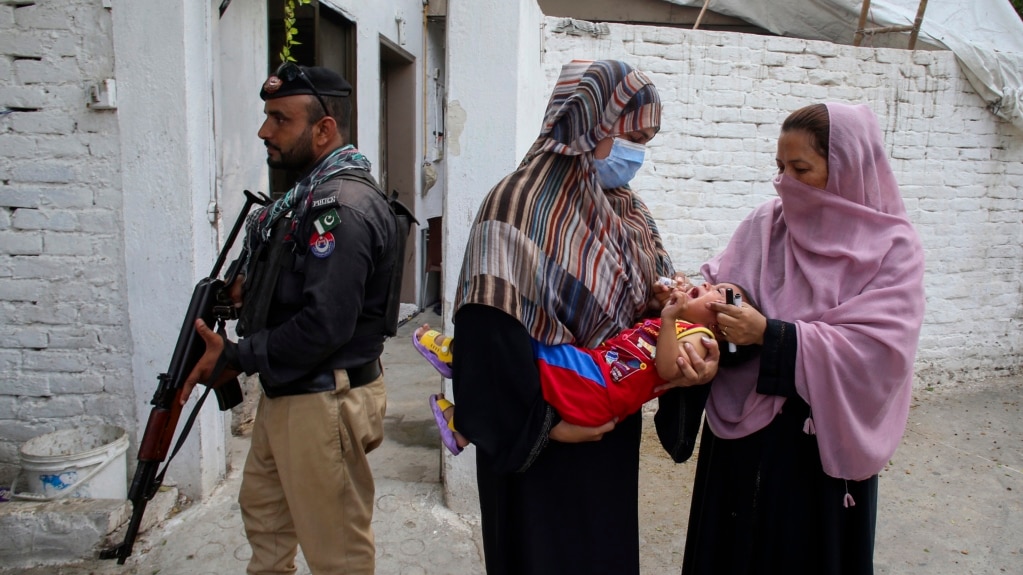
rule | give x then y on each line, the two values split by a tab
211	302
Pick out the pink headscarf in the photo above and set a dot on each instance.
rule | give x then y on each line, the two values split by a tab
846	266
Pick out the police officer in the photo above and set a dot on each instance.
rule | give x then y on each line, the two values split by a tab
317	265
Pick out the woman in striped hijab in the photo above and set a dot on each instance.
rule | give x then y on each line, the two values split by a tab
561	251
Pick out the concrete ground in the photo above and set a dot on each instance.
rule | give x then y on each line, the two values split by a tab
951	500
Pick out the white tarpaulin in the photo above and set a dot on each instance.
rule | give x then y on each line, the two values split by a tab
985	35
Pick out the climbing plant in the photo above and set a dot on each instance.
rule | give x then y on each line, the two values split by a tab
290	31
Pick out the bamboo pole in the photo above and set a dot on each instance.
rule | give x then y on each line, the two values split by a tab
914	30
916	24
886	29
702	11
863	22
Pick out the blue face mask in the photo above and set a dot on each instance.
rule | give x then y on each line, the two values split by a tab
621	165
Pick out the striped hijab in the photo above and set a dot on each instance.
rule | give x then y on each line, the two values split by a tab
571	261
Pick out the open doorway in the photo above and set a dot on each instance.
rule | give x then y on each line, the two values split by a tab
398	140
326	39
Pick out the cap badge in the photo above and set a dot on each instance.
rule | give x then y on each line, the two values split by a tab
272	84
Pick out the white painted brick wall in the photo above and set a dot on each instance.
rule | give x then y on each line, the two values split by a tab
959	166
64	345
64	355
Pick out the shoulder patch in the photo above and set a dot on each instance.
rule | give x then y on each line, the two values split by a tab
322	245
328	201
327	221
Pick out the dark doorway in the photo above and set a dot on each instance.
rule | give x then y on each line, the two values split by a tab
326	38
398	139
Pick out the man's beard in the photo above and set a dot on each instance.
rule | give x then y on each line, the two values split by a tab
300	156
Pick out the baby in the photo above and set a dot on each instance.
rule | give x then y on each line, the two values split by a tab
590	387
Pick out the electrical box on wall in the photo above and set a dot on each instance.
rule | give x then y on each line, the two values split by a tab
103	96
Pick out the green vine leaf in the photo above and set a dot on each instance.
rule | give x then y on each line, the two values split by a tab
290	31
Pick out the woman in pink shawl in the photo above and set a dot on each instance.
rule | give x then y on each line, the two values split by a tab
801	421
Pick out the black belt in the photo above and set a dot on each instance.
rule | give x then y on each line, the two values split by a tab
357	377
368	373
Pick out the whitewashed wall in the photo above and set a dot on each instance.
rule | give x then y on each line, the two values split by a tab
105	215
496	95
725	96
64	346
960	167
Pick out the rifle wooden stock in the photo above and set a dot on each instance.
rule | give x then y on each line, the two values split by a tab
210	302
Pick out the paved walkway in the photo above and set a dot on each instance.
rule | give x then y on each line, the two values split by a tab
951	501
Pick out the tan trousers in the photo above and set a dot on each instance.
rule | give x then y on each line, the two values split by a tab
307	480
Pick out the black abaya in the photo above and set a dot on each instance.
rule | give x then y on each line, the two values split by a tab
763	505
546	507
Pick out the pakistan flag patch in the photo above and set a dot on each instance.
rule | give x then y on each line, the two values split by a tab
327	222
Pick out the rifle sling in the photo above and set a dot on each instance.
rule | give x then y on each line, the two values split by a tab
183	434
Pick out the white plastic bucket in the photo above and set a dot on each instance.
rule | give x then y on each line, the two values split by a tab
79	462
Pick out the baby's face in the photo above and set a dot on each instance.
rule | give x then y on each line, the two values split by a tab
701	296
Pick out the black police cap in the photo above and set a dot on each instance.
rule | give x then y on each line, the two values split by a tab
293	80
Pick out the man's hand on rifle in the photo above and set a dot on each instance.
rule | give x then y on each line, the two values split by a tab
206	366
